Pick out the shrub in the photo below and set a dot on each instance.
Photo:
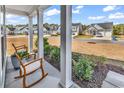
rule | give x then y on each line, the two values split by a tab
45	42
47	47
55	54
23	54
52	51
93	58
83	69
47	50
97	59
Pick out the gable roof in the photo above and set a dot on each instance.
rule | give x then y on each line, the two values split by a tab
76	24
98	27
106	25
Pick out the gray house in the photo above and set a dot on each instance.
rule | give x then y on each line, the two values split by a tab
101	30
76	28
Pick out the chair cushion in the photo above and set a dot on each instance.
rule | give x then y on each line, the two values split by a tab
32	67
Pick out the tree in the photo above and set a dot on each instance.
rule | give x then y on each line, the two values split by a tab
118	29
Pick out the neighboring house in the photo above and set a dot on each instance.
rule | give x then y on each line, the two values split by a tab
77	28
53	29
10	31
45	31
101	30
23	29
59	29
35	29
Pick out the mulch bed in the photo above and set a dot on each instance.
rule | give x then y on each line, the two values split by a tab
99	75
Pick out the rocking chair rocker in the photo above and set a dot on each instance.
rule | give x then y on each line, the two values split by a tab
29	67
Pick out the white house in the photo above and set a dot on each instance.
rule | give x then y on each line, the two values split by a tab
10	31
76	28
21	29
101	30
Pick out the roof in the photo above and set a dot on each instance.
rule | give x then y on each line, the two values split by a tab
11	28
98	27
24	10
76	24
106	25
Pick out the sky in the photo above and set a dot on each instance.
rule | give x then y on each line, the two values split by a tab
86	14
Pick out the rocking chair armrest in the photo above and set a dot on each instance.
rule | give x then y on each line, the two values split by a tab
30	62
21	46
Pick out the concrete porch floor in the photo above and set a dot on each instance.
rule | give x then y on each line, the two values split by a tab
51	81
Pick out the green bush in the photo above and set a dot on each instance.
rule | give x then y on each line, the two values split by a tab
52	51
45	42
55	54
84	68
47	47
93	58
23	54
97	59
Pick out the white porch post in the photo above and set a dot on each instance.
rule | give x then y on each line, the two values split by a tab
66	43
3	47
0	51
30	36
40	32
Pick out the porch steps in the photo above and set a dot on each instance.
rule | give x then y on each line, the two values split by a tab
113	80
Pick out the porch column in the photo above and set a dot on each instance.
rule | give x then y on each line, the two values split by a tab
30	36
3	48
0	51
66	46
40	32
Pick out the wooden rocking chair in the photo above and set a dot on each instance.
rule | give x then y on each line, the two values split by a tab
29	67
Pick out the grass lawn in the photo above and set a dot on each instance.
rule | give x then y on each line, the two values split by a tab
18	40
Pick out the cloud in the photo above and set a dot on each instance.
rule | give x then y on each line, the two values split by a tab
13	22
117	15
77	9
9	16
47	19
96	17
79	6
15	19
109	8
52	12
116	23
23	18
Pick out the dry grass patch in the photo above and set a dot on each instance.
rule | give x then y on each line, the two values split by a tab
112	51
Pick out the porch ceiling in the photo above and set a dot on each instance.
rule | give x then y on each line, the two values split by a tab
24	10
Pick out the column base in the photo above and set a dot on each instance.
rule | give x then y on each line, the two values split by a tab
67	85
